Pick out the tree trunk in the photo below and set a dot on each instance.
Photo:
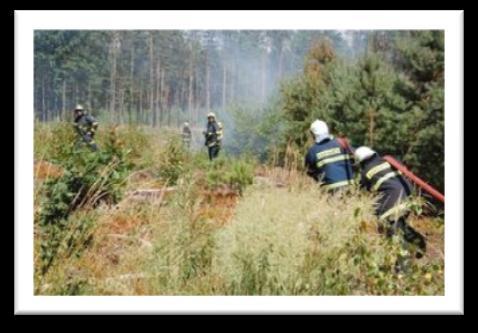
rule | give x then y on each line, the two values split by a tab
190	87
141	101
232	74
121	104
173	100
161	97
196	98
63	98
89	106
151	78
113	50
55	108
371	126
77	93
158	94
208	85
281	59
167	92
43	105
183	101
224	81
131	83
263	76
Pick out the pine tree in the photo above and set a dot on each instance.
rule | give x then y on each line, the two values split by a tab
422	84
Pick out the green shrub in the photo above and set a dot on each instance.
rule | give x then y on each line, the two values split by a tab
172	162
235	173
396	106
53	141
89	178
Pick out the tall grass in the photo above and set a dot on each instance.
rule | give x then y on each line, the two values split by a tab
273	234
294	242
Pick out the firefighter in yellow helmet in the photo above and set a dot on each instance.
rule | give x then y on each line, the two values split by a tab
213	136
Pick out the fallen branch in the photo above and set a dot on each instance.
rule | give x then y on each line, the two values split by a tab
152	192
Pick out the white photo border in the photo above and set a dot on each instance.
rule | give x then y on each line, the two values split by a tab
449	21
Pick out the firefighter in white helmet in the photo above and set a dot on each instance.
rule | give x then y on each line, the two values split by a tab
327	161
213	136
378	176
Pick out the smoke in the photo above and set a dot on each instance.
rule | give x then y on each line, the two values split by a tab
246	69
188	73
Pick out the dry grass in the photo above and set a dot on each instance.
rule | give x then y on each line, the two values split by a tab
283	236
279	226
44	170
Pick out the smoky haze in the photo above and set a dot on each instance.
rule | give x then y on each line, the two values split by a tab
164	77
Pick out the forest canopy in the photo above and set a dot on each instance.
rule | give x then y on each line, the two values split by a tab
379	88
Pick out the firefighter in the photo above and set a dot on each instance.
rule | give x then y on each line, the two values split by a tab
327	161
85	126
213	136
378	176
186	135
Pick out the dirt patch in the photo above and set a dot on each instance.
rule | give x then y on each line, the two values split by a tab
217	205
44	170
122	224
119	233
434	234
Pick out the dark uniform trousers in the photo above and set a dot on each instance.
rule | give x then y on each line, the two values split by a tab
392	209
212	142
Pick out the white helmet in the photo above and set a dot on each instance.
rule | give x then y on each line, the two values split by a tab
79	107
211	114
186	124
319	129
363	153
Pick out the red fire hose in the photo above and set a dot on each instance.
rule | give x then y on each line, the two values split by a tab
344	143
421	183
397	165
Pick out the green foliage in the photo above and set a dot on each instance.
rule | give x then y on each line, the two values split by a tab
422	60
172	164
233	172
95	67
66	240
306	97
53	142
357	267
89	178
252	129
134	140
391	99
